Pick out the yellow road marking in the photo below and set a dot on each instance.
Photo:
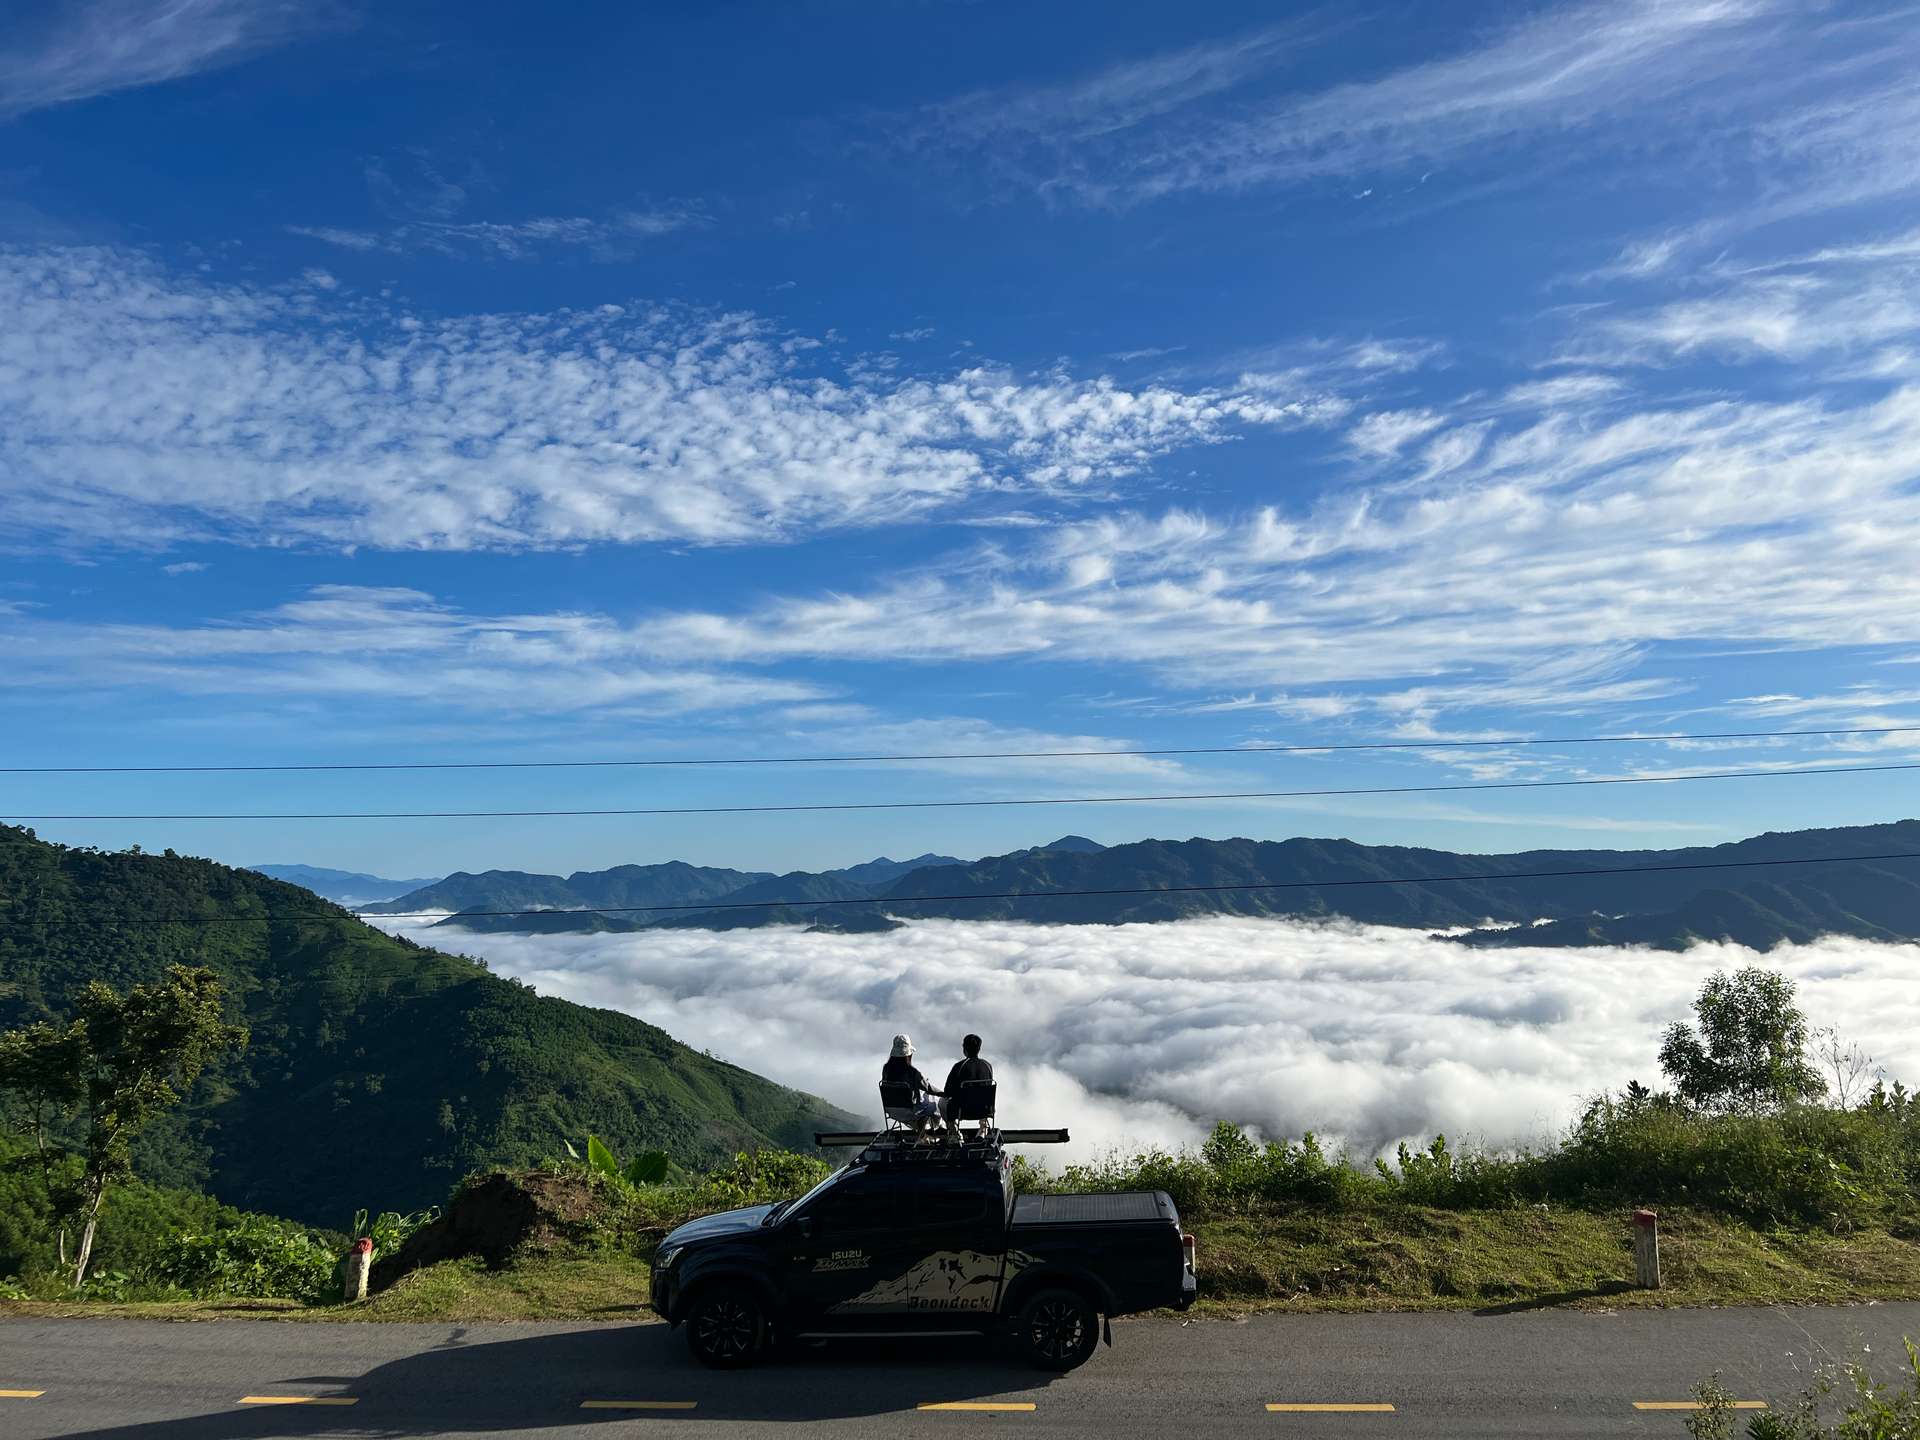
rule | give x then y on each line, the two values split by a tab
1694	1405
638	1404
21	1394
1321	1409
978	1405
299	1399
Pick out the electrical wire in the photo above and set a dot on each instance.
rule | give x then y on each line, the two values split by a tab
956	755
1240	886
980	804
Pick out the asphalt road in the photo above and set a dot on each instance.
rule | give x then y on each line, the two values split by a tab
1531	1373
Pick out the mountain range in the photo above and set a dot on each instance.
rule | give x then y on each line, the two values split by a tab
674	883
378	1071
1747	891
343	887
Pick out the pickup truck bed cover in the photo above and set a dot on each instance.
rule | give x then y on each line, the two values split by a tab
1086	1209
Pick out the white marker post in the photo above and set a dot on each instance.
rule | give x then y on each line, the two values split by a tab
359	1262
1646	1249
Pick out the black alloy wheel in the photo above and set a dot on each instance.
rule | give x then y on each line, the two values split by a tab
725	1327
1059	1329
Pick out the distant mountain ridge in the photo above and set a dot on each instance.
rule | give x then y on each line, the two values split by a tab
674	883
1665	898
343	887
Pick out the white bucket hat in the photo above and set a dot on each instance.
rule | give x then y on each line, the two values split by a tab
902	1047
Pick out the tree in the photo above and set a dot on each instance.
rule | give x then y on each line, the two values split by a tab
1846	1063
1750	1052
118	1064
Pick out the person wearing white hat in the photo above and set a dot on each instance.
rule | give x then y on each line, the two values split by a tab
900	1070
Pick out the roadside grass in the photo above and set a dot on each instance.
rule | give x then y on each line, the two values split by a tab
1414	1258
1389	1257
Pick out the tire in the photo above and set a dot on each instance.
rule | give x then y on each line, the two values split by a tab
726	1327
1058	1329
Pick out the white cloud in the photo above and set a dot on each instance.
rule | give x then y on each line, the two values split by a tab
1141	1034
1388	432
1533	569
184	567
140	408
349	642
1782	317
94	47
1559	391
607	238
1154	127
344	239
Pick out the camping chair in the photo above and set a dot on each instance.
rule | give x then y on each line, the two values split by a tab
973	1100
896	1102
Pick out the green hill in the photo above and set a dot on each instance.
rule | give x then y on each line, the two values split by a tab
379	1071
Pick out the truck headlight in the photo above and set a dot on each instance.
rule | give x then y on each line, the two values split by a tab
663	1260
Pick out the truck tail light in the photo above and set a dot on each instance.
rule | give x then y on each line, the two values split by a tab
1190	1247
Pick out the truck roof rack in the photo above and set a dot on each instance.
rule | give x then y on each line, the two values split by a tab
906	1141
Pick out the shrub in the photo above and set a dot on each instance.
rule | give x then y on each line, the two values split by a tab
1806	1165
1450	1180
254	1257
1229	1173
1873	1411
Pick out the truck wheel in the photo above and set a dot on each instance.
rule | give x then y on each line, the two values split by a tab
1058	1329
726	1327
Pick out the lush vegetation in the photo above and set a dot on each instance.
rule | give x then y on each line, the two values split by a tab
1838	1170
375	1067
1773	1182
106	1075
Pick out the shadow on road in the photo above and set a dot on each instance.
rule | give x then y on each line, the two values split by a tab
472	1383
1549	1302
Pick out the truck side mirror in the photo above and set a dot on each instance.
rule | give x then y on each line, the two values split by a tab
804	1227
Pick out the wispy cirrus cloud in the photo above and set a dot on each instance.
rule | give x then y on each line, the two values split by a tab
392	646
1157	126
87	48
610	237
141	408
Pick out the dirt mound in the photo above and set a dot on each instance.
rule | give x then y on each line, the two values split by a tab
496	1217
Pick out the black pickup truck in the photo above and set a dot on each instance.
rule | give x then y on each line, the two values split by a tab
915	1239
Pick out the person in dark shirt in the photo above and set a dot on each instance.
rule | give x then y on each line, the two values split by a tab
971	1068
900	1070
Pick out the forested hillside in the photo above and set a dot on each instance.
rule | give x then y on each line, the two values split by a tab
379	1071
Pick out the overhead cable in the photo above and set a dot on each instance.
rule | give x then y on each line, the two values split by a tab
952	755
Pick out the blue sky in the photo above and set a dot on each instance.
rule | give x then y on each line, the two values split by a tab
445	382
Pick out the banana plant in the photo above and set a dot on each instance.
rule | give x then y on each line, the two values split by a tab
649	1167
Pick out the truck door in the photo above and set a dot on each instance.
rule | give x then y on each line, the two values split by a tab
961	1224
847	1248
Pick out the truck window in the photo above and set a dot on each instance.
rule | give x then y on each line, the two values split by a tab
866	1204
951	1206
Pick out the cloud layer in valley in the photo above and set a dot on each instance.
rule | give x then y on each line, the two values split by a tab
1145	1034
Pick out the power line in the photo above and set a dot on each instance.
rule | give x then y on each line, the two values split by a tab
978	804
1036	894
952	755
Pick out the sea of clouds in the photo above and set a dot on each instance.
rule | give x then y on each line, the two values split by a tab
1135	1035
